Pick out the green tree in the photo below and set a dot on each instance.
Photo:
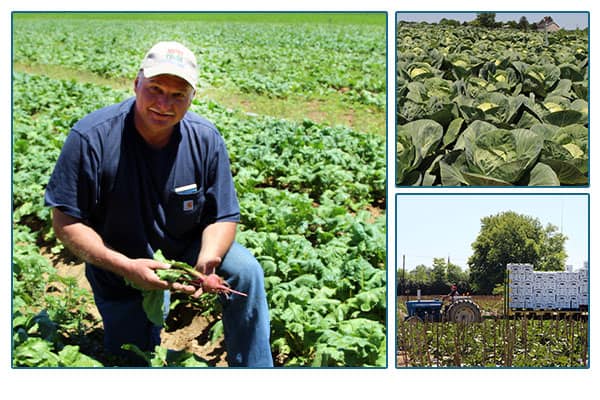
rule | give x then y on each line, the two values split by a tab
456	275
553	255
509	237
523	23
438	270
449	22
420	276
486	19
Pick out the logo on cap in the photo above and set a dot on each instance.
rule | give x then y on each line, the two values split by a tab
171	58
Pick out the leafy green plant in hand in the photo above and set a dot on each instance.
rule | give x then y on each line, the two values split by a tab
184	273
153	300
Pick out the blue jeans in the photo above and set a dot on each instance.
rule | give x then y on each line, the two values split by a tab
245	319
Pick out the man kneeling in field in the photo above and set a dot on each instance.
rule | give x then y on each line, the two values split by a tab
147	175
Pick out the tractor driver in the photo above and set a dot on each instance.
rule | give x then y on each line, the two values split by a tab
453	292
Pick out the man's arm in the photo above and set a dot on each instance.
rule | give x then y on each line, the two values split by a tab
86	244
216	241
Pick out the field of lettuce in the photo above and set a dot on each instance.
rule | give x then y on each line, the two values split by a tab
479	107
312	195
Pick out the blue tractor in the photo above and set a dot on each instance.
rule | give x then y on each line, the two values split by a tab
459	309
424	310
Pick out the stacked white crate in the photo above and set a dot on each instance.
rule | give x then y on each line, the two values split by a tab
543	290
584	287
521	292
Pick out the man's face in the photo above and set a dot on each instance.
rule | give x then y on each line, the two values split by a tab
161	102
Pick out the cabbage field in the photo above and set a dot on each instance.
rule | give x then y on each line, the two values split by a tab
312	194
500	107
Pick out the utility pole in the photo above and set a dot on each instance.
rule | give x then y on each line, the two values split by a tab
404	275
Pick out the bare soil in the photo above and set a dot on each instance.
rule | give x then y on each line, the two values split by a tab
402	359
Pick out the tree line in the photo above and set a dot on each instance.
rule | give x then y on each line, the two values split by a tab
488	20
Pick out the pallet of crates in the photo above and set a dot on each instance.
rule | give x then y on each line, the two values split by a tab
545	294
518	289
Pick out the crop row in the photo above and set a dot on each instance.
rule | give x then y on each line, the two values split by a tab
490	107
270	59
495	342
321	241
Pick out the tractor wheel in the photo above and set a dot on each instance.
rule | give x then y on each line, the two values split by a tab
463	311
413	319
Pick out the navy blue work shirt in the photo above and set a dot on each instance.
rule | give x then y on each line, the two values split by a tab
140	199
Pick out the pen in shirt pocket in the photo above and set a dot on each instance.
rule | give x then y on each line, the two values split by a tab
187	189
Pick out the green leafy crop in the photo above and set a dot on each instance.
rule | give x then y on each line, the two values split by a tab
506	110
312	200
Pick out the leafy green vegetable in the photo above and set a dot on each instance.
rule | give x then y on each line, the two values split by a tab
162	357
490	97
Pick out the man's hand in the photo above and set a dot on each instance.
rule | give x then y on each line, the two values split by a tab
216	240
207	267
142	273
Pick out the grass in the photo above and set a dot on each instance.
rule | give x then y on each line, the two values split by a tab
329	110
60	72
345	18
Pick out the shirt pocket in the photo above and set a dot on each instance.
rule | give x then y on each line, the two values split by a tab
184	212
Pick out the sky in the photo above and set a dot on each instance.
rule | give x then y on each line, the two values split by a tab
445	225
566	20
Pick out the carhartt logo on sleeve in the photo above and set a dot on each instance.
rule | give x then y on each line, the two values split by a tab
188	205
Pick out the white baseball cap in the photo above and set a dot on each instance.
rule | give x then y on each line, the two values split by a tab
171	58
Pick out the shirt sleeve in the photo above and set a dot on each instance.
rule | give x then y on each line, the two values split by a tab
73	187
221	197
